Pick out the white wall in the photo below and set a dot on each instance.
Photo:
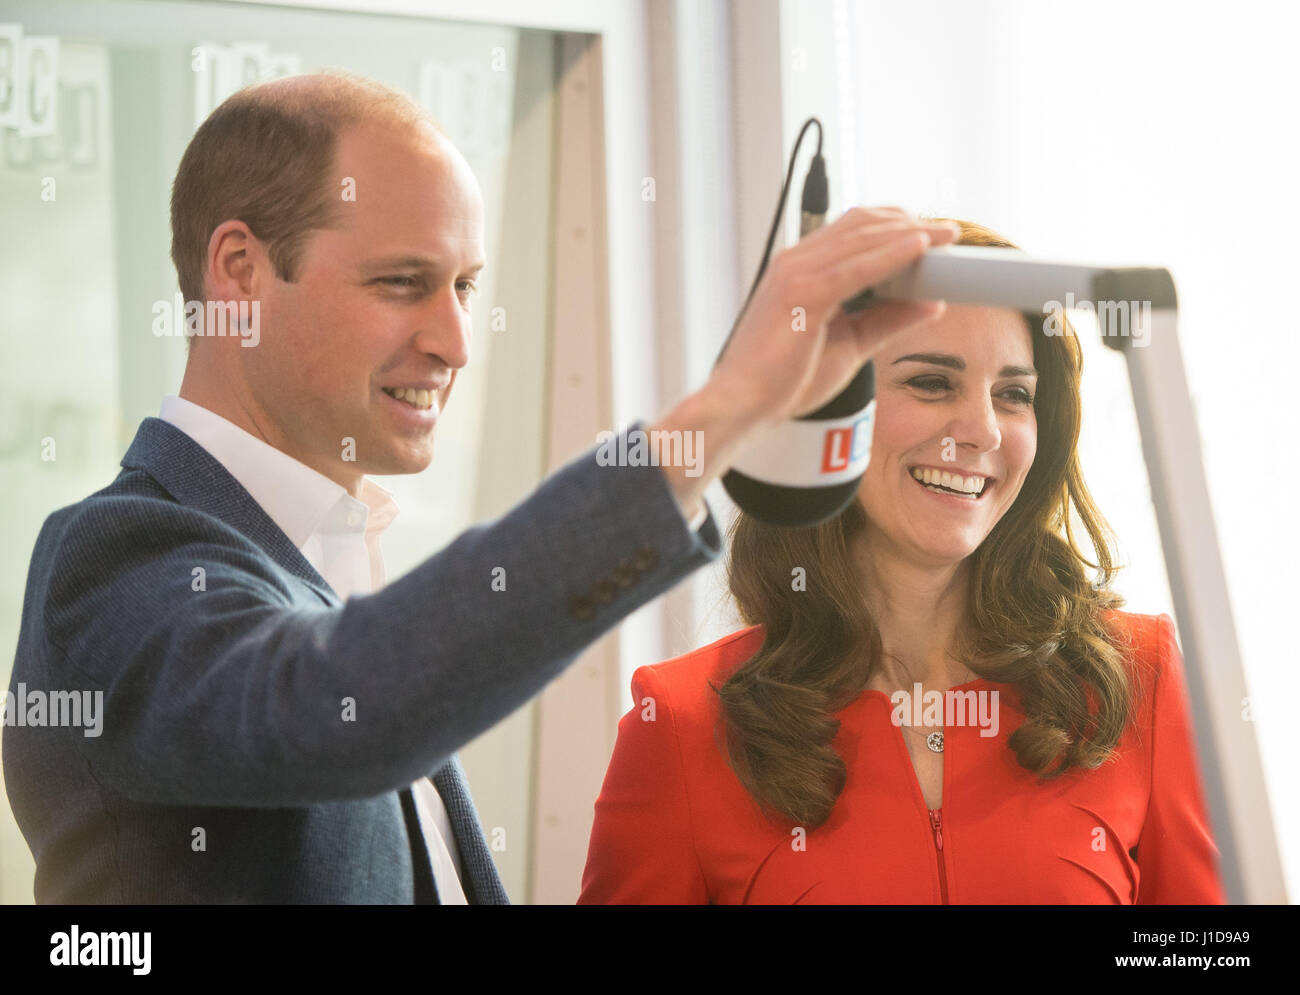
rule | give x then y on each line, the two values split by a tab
1129	133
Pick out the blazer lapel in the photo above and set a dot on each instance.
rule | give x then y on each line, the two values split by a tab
482	883
194	477
426	889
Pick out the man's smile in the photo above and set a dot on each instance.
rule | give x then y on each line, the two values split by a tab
416	407
416	397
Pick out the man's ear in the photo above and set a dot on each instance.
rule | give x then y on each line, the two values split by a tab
233	255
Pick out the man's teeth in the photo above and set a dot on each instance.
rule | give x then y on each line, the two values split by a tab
950	481
415	398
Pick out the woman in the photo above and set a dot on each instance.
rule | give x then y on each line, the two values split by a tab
933	702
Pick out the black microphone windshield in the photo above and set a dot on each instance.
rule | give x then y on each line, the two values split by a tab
808	469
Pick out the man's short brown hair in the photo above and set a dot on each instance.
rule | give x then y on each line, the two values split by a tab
266	157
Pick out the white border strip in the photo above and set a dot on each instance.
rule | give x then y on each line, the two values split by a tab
811	453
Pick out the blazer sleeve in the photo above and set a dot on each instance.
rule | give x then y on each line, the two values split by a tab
237	695
1176	854
642	848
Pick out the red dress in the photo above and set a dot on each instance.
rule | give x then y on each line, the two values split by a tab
674	825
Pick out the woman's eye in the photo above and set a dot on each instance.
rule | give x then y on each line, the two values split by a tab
933	384
929	383
1022	396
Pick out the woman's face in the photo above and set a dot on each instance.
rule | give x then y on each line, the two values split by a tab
953	397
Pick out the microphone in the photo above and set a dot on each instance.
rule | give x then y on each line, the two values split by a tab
807	469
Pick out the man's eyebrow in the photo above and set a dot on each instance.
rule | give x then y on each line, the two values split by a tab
412	262
958	364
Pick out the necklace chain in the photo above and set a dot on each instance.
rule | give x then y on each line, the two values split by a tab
933	739
933	734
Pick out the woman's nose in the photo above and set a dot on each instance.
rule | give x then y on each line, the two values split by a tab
975	424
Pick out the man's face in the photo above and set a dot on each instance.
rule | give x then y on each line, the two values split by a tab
379	304
954	396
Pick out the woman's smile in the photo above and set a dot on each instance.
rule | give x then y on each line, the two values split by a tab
963	489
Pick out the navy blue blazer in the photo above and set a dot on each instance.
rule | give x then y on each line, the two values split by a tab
259	737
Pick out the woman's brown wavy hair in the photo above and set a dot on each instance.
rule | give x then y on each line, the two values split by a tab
1036	616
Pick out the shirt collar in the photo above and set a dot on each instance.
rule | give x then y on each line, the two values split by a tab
300	500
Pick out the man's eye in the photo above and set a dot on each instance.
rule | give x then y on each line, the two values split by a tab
400	281
470	286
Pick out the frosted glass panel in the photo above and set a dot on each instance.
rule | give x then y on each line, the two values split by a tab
85	255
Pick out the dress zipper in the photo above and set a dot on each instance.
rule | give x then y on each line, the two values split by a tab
936	823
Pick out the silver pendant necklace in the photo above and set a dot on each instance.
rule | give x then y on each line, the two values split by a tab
933	741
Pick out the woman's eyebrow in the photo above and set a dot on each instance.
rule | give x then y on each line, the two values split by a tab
958	364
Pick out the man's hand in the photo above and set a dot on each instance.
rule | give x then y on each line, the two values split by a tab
794	348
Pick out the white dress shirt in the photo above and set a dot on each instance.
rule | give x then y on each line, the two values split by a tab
339	536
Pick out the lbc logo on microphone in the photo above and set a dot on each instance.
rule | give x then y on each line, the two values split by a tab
845	446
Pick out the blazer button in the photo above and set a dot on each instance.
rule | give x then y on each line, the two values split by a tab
646	558
580	607
625	574
604	590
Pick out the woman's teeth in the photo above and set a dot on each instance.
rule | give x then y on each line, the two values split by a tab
415	398
942	482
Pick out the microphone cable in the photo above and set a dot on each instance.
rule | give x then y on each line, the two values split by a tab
807	469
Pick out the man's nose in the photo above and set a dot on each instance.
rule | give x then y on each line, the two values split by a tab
445	329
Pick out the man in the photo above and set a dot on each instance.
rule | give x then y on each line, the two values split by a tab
278	725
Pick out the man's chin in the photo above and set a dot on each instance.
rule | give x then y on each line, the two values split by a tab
396	460
411	462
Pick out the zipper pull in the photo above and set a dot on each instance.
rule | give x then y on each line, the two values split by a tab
935	824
